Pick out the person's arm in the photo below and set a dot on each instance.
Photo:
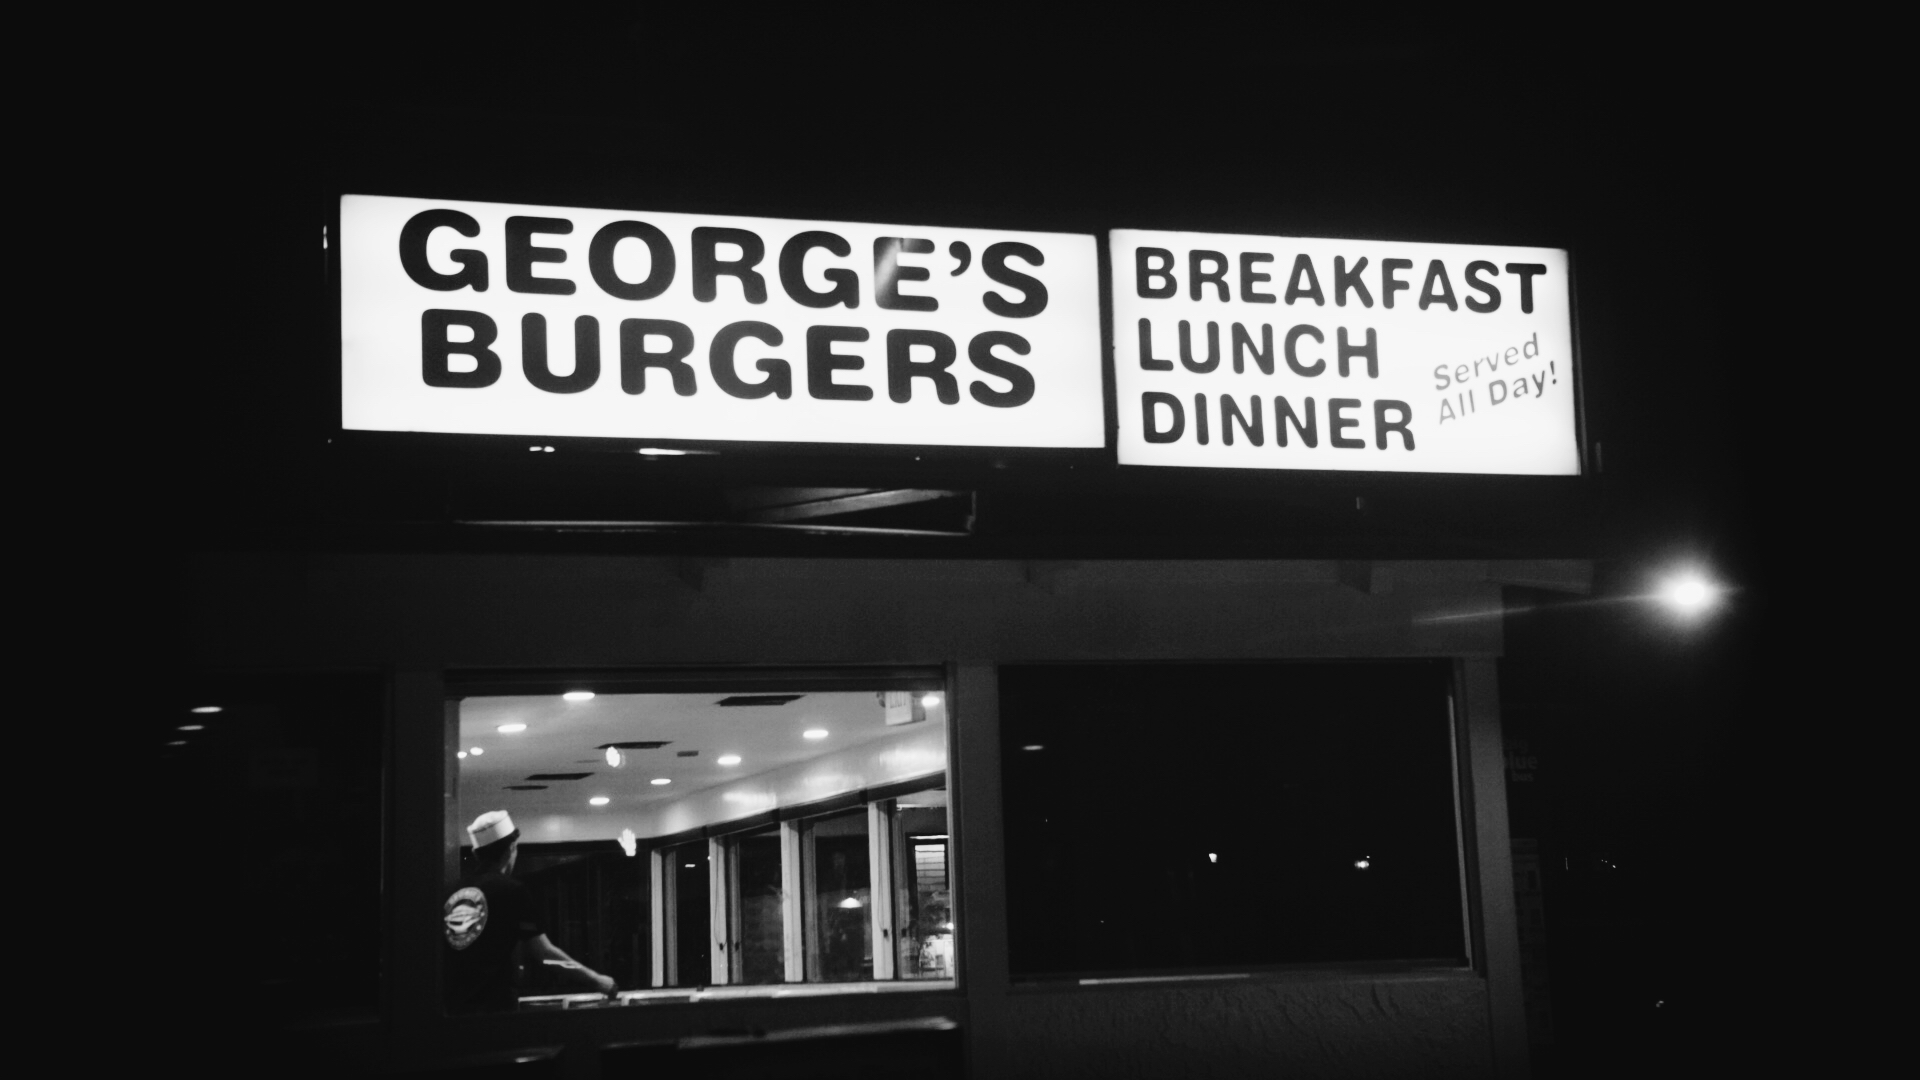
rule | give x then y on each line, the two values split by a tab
542	951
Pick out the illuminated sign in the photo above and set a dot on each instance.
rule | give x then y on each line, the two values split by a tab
483	318
1264	352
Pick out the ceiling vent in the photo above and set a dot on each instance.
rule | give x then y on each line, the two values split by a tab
560	776
758	699
526	787
643	744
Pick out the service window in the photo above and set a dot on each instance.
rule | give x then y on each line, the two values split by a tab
627	845
1211	818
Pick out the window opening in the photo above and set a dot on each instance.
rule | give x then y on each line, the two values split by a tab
707	841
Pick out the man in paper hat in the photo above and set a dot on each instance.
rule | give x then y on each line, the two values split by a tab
491	921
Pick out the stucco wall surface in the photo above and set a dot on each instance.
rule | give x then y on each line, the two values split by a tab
575	611
1336	1028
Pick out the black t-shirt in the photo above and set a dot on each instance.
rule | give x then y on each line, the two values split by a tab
485	916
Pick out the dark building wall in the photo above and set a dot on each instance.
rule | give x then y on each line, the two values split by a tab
422	615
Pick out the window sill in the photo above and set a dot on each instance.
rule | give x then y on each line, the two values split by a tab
681	996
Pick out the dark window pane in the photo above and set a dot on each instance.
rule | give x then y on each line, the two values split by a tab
692	925
840	896
1195	817
271	836
760	940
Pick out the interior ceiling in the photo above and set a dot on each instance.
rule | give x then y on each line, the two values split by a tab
563	736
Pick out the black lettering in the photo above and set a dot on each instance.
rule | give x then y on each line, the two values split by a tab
1389	284
1437	274
1149	430
1249	278
1283	415
1475	281
1381	425
1216	276
793	258
413	252
635	359
708	267
1293	359
586	355
902	368
726	375
1142	270
1526	272
1371	350
1230	415
1147	360
521	255
1243	343
435	348
1200	419
1200	367
888	273
1019	379
993	262
1343	280
1337	422
822	362
1303	271
660	268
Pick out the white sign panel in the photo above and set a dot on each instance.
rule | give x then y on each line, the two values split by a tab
1266	352
484	318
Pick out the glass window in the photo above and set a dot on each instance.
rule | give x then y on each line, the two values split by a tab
1217	817
676	845
269	851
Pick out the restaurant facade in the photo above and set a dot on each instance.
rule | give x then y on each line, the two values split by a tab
980	643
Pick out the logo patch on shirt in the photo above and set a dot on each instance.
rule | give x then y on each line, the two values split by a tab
465	916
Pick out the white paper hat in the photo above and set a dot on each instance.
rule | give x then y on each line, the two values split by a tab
491	828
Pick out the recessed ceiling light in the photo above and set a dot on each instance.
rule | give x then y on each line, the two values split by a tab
511	729
930	700
815	733
178	742
615	758
851	902
578	695
192	727
475	751
661	781
598	800
1033	746
729	759
206	709
461	754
